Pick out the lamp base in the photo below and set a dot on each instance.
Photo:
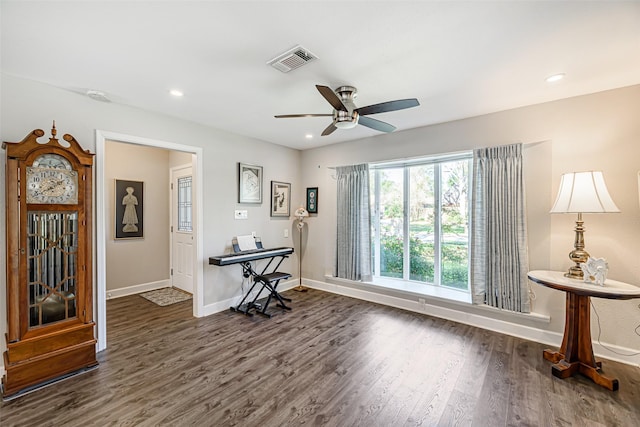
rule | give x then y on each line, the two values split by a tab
578	255
574	273
300	288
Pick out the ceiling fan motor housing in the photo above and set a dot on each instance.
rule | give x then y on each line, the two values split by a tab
346	119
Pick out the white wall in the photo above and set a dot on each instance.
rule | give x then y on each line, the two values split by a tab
132	263
28	105
593	132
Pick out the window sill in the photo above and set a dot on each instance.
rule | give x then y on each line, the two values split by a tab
407	288
421	289
434	296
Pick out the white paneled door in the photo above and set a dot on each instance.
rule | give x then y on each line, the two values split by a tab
182	249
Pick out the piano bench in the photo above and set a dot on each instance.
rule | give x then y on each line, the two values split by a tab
272	277
270	281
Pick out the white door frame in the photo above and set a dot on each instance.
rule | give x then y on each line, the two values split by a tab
100	275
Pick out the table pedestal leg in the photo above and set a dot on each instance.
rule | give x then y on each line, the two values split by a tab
576	351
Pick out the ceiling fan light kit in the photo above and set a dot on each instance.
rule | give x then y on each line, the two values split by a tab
347	116
344	120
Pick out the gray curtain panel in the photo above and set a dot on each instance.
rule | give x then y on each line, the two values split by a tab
353	254
499	258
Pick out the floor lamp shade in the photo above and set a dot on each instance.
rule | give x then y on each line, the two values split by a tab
582	192
301	213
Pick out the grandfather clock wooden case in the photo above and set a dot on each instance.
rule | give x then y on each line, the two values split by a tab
50	328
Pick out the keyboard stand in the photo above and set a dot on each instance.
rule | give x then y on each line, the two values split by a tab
264	280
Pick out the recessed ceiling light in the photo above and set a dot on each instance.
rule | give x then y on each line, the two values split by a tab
176	92
555	78
308	136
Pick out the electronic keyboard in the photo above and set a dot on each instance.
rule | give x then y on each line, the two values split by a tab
250	255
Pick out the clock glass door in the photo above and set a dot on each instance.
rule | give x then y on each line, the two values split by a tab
52	250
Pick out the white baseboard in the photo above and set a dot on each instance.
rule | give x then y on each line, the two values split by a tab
226	304
485	322
138	289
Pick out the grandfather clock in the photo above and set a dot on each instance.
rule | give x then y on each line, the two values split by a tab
50	328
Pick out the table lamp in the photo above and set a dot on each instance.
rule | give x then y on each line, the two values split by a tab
582	192
300	213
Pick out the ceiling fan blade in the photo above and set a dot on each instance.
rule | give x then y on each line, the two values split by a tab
384	107
289	116
376	124
329	129
331	97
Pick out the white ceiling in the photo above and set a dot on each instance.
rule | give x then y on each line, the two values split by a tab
459	59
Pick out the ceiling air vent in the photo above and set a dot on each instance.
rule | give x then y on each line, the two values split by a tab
292	59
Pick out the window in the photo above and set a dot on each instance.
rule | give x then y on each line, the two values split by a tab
184	204
420	224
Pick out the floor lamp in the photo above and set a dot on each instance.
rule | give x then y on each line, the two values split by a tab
300	213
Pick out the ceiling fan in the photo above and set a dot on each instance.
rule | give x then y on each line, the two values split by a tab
346	115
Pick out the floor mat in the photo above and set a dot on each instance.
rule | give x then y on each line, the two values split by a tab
166	296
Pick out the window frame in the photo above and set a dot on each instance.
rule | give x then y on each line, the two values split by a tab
436	161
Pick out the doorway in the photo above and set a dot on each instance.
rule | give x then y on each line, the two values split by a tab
100	295
182	228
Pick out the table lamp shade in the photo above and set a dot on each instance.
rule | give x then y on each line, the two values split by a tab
583	192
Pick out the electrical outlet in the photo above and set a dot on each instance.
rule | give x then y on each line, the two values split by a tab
286	232
241	214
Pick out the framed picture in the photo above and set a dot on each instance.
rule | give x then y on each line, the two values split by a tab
280	198
312	200
129	211
249	183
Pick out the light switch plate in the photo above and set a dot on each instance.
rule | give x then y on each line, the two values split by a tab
241	214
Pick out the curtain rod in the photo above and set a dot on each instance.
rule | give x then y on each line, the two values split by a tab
404	159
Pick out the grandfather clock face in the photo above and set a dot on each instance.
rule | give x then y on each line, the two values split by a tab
52	180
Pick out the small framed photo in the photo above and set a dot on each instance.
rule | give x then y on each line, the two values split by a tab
280	198
129	209
312	200
249	183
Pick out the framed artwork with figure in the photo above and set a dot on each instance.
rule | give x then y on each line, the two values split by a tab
280	198
129	212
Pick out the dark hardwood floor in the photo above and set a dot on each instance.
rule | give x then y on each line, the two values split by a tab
332	361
